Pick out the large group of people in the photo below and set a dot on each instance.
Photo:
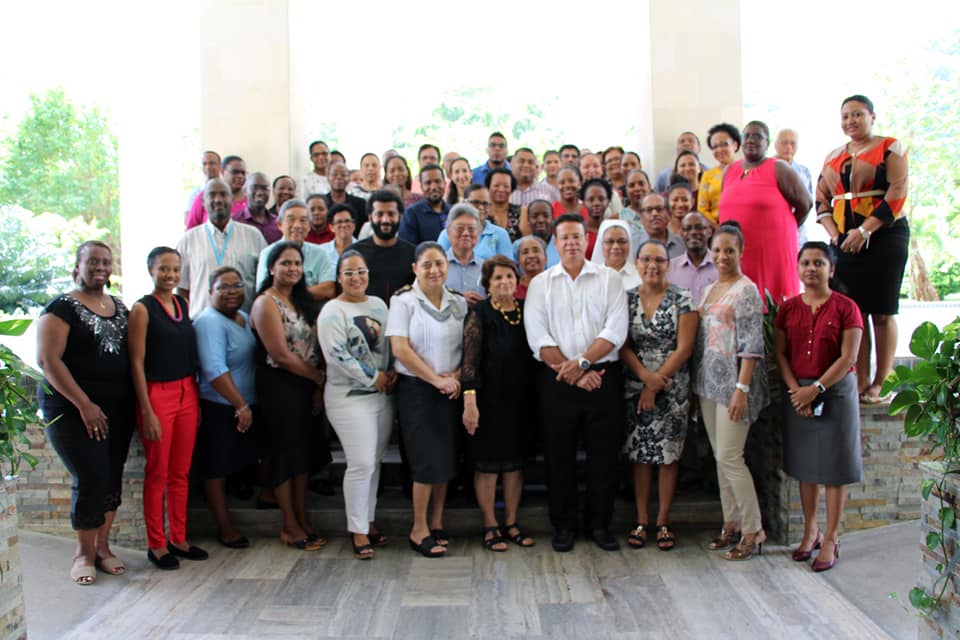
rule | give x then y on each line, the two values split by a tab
484	311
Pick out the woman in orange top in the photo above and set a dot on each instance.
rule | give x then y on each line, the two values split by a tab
860	197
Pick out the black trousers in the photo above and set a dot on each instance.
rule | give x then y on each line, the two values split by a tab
564	411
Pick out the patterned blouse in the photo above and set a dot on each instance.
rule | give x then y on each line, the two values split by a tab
731	328
301	339
355	345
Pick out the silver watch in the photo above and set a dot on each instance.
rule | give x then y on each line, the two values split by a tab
745	388
583	363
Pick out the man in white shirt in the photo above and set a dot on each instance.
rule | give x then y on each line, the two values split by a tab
576	321
219	241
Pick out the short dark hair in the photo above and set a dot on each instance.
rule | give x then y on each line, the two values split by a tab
758	123
220	272
603	156
732	228
596	182
386	195
496	134
279	178
369	153
315	143
213	152
569	217
337	208
348	253
486	271
500	171
430	167
525	150
227	160
726	128
652	241
470	188
406	166
428	145
85	246
549	152
678	182
569	146
573	168
816	245
857	97
342	157
156	252
425	246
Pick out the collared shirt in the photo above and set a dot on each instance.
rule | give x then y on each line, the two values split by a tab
536	191
436	335
317	266
206	248
271	232
464	276
421	223
480	173
684	274
493	240
639	235
225	347
315	183
552	256
572	313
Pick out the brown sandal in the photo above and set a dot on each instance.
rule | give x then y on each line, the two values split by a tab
725	540
666	540
637	538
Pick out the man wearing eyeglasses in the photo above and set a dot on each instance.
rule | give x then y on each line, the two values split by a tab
492	239
694	270
496	157
318	270
464	267
654	216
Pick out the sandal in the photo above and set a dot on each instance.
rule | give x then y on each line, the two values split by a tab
725	540
83	575
637	538
362	551
112	565
377	539
425	548
490	544
441	536
666	540
305	544
520	538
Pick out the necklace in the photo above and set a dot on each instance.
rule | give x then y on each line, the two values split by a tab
177	314
514	322
717	292
99	300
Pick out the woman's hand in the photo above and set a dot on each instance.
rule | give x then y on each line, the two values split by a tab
854	242
656	382
244	418
471	414
150	426
648	400
391	381
382	382
448	385
737	408
95	420
803	396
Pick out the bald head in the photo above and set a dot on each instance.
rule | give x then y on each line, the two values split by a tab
786	144
696	234
217	200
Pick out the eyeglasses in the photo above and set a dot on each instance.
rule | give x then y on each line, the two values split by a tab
694	227
223	286
621	242
349	273
498	145
652	209
341	223
479	203
460	229
653	259
754	136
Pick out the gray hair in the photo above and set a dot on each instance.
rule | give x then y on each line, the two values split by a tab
542	242
460	210
292	203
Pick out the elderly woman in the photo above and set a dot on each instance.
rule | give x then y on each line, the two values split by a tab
425	327
461	176
497	374
663	329
287	384
731	381
228	396
342	222
860	197
360	379
493	239
816	341
396	171
501	183
724	141
163	365
532	258
617	251
82	350
768	200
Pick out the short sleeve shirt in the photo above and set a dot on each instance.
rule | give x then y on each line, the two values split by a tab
814	338
436	335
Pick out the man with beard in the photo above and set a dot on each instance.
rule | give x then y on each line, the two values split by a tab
694	270
235	176
540	219
318	269
389	258
339	176
425	219
256	213
217	242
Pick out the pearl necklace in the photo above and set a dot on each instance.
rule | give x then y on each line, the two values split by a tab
504	313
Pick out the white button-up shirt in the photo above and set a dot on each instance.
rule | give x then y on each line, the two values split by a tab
436	335
205	248
572	313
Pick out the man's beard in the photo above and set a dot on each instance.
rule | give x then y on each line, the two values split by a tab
386	235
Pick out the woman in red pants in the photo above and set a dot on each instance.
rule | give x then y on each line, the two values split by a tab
163	358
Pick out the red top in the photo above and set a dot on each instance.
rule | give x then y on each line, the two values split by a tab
814	339
320	238
558	210
769	229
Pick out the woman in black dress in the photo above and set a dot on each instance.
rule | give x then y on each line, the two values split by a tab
497	399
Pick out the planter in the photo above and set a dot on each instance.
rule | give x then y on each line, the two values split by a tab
13	623
943	621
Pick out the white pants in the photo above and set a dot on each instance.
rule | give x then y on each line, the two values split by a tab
738	496
363	426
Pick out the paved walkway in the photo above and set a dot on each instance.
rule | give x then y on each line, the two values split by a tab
272	591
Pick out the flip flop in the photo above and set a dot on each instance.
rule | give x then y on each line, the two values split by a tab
306	544
83	575
112	565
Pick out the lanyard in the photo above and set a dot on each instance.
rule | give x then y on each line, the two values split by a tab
219	255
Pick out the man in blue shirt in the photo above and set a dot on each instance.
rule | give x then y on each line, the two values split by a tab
425	219
496	157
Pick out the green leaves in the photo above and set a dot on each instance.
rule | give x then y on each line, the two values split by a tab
933	540
948	517
18	408
926	338
921	599
903	400
926	487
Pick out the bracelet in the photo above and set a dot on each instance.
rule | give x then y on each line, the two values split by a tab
865	234
236	414
470	392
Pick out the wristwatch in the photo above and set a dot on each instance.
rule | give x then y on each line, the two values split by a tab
865	233
745	388
819	386
583	363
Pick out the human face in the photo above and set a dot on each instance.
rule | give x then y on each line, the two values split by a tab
432	185
503	283
681	203
856	120
786	145
540	217
370	169
338	177
590	166
696	233
165	272
596	201
531	257
653	214
612	164
724	147
571	241
637	187
480	200
568	183
448	159
288	269
296	222
815	269
464	232
428	156
687	141
629	162
385	219
397	172
616	246
217	200
497	150
258	191
569	156
283	191
226	295
460	173
356	177
551	165
500	189
94	267
431	270
653	264
211	165
320	157
689	168
235	174
726	252
755	143
343	225
318	214
354	276
524	167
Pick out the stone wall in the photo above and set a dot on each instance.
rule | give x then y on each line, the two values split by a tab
13	623
945	621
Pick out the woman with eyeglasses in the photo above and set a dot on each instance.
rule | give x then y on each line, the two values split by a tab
724	141
493	239
662	332
767	199
617	251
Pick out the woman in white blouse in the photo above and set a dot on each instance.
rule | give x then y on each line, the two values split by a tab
617	251
357	396
426	336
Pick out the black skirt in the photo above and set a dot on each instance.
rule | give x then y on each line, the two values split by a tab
872	277
285	407
429	426
221	449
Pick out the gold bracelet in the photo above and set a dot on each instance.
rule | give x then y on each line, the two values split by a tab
470	392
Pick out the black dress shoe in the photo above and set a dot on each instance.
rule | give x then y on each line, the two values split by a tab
563	540
604	540
193	553
166	562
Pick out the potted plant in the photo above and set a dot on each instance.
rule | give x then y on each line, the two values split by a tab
929	396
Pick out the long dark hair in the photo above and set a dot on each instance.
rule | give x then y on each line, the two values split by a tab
453	197
349	253
386	165
302	301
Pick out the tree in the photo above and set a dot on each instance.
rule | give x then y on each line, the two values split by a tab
63	159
